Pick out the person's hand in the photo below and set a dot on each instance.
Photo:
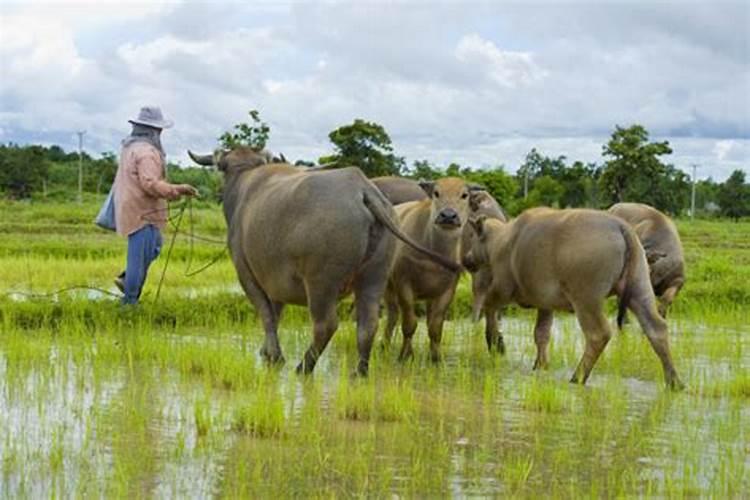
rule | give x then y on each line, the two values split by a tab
186	190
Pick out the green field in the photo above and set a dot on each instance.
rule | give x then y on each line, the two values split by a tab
172	399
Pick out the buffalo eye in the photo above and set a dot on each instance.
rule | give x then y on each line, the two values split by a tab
437	195
464	196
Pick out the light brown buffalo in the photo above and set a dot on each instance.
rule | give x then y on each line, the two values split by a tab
483	204
400	190
661	241
308	238
437	224
571	260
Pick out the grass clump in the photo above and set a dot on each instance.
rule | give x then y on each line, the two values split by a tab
263	416
544	396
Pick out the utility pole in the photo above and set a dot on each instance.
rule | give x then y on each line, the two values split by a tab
80	165
692	196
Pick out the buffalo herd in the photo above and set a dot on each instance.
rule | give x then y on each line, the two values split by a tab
310	237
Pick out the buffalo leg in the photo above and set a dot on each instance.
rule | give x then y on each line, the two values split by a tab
322	305
391	304
655	329
269	312
597	332
435	318
408	323
492	333
367	298
542	328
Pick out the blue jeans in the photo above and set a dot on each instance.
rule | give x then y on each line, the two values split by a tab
144	246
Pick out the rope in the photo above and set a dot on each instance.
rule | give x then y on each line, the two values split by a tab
62	290
187	204
169	253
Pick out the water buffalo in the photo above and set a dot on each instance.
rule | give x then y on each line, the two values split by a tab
309	238
435	222
400	190
661	241
483	204
571	260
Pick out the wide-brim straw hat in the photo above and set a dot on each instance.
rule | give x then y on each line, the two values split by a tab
151	117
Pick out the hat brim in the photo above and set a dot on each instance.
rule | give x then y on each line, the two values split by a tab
154	124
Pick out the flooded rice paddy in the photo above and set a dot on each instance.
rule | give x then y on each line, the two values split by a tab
190	412
172	399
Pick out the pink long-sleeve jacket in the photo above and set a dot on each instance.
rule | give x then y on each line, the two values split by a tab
140	189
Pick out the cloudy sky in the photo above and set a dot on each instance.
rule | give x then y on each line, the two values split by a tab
479	83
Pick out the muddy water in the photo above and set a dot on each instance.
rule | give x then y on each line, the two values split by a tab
73	424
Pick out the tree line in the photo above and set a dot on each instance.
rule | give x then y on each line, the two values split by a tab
632	169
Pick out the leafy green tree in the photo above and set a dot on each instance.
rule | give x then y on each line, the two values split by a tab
254	134
579	185
423	170
500	184
734	196
366	145
578	181
633	166
22	169
706	195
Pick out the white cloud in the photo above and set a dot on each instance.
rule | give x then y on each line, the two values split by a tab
507	68
479	86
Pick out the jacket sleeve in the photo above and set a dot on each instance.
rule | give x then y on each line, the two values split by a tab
148	168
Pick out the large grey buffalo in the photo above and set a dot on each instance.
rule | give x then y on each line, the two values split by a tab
309	238
571	260
661	241
400	190
437	223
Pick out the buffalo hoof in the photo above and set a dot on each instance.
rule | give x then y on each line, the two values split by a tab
406	354
303	369
435	357
575	379
306	366
363	369
676	385
540	364
500	346
272	358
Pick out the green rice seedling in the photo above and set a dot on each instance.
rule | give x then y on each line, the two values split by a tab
263	416
202	417
544	396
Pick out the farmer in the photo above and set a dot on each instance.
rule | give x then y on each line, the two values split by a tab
140	196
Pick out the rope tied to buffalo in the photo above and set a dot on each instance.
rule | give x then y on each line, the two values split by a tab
175	222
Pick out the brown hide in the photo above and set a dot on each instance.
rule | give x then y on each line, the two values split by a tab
437	224
308	238
570	260
661	241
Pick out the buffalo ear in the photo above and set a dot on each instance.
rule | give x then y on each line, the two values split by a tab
427	186
476	198
653	256
477	223
220	160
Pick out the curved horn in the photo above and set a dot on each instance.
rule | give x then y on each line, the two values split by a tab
283	158
201	159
